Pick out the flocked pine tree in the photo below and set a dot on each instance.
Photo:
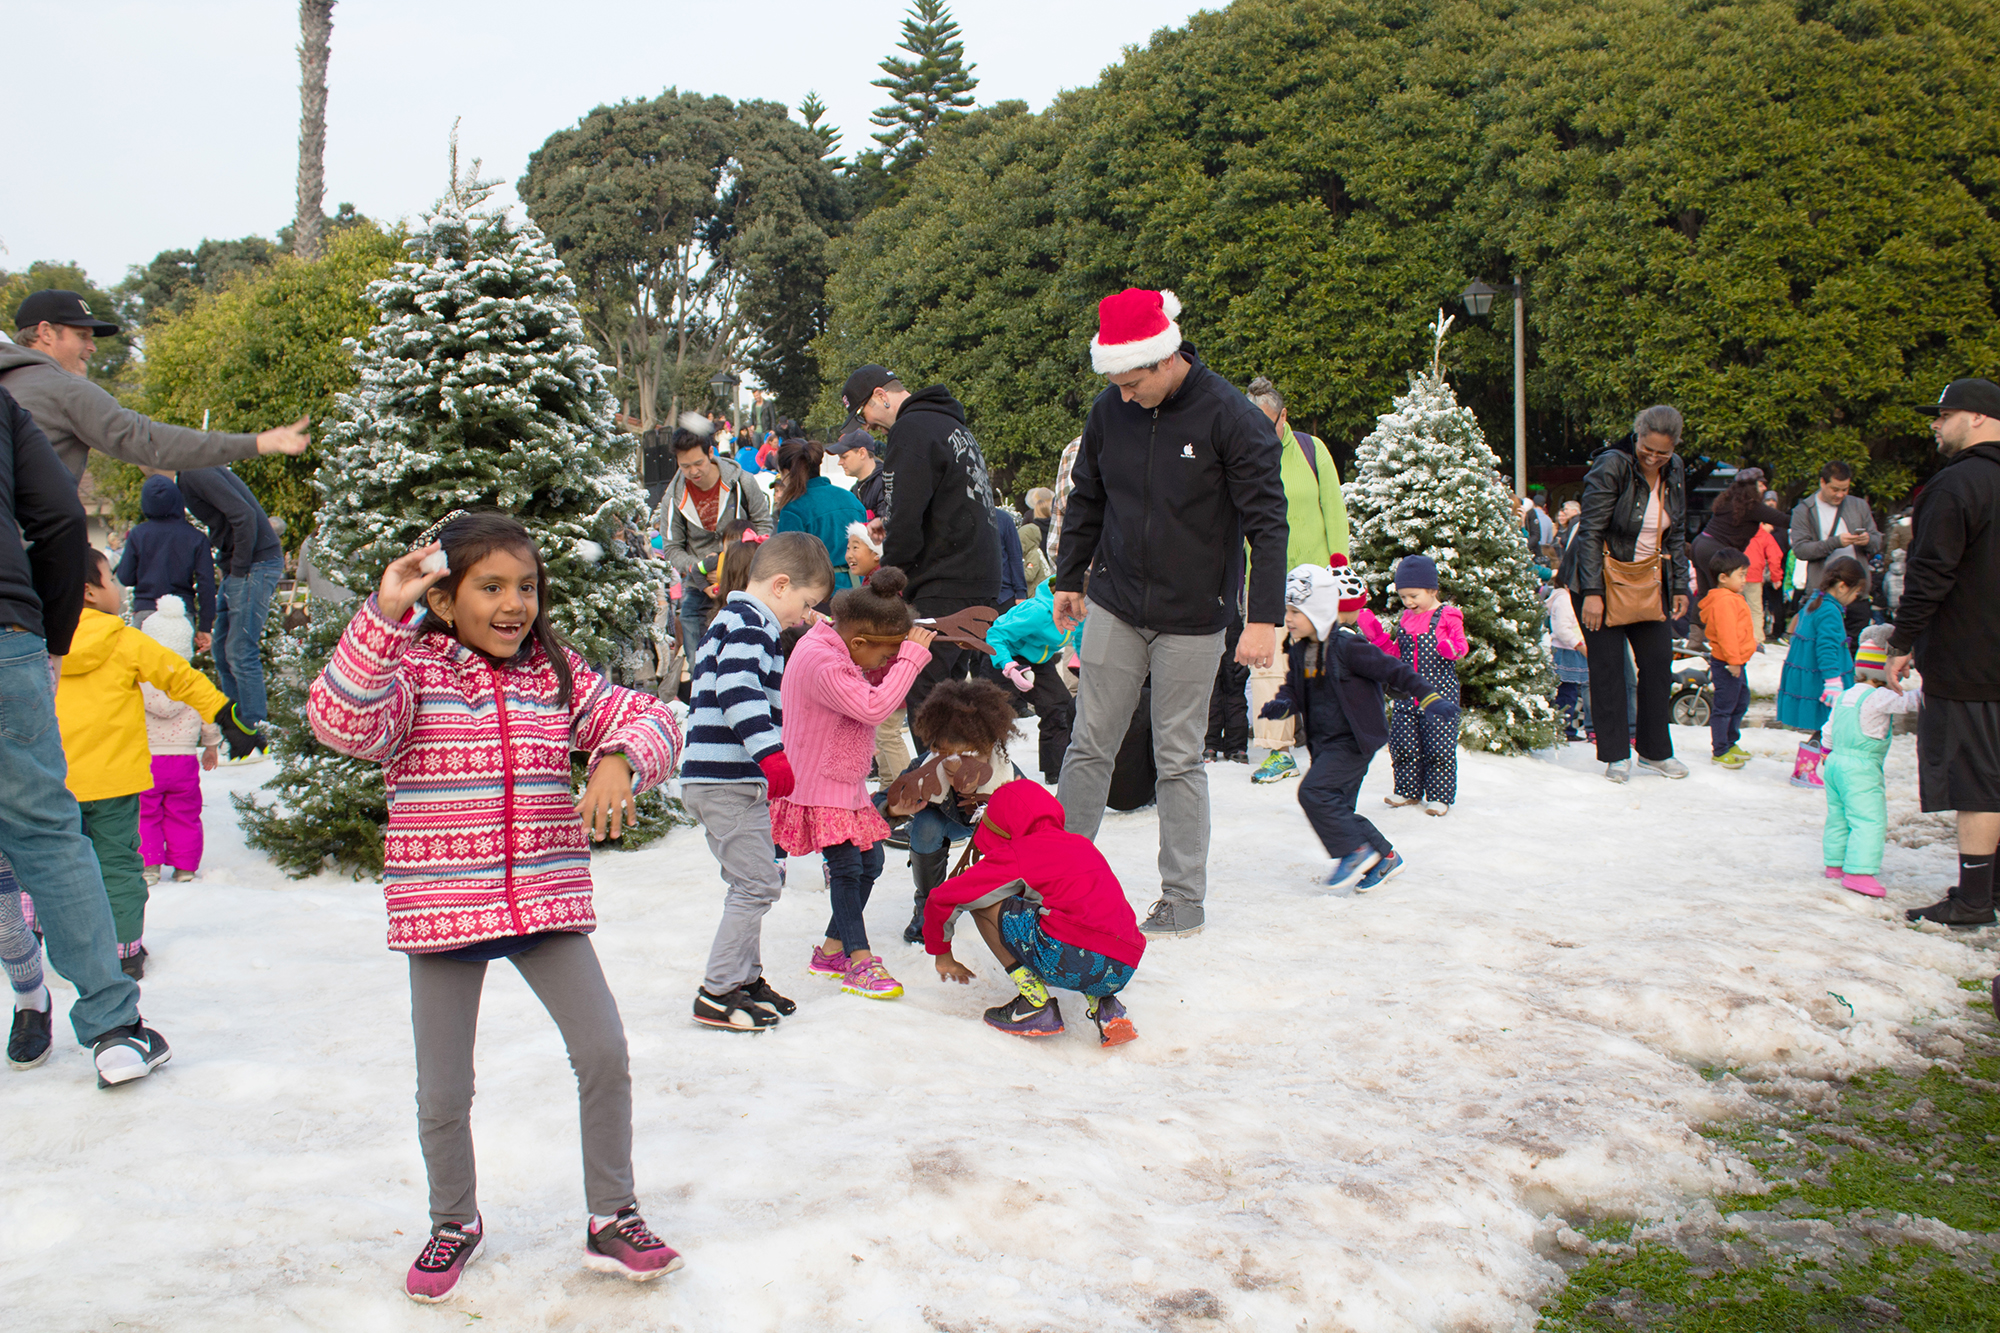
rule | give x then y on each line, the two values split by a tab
1424	484
478	389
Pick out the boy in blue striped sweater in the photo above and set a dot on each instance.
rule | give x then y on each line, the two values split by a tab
734	766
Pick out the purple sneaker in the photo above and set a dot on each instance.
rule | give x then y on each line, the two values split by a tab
1114	1026
626	1247
434	1276
1023	1019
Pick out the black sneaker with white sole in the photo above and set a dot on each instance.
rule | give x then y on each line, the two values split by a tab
29	1043
738	1011
129	1053
760	991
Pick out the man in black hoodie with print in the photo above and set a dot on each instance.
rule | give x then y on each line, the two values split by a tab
940	530
1176	469
1948	621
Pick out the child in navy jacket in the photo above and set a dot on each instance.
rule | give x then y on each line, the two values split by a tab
1333	684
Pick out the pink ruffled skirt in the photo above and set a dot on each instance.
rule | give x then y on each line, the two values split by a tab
803	829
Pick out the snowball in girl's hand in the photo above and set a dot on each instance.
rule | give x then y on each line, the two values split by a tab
435	563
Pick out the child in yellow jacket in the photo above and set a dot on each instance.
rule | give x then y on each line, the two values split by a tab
103	719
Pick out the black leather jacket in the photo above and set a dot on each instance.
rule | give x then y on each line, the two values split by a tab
1615	495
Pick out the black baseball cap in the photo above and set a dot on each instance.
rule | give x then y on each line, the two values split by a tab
58	307
864	382
1981	396
854	438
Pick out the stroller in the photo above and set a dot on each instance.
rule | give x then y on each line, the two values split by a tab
1693	696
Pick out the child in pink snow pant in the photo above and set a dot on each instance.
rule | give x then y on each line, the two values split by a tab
170	814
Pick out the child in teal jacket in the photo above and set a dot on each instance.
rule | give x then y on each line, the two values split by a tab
1027	647
1817	665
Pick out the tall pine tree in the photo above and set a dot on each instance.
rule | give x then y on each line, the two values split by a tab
477	389
1425	484
932	86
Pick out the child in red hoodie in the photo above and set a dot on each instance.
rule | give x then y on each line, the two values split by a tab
1051	911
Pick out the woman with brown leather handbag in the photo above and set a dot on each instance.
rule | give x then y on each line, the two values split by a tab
1630	565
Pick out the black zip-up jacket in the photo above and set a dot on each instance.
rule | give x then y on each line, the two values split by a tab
1615	495
167	554
940	530
235	521
1339	692
43	539
1950	612
1162	500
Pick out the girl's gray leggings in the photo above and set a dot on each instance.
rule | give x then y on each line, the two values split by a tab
444	1008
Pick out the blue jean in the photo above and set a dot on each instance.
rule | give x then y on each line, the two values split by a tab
932	830
239	636
1732	701
851	875
693	614
41	834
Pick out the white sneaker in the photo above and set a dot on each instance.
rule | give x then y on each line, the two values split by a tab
254	757
1666	768
1620	771
1436	808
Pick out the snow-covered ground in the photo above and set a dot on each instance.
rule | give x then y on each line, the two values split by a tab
1342	1113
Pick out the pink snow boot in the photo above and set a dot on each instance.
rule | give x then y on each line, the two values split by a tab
1834	872
1866	885
1805	769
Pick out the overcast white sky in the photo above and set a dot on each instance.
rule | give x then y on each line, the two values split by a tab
159	122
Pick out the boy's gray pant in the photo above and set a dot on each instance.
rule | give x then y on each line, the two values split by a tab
737	819
444	1009
1116	660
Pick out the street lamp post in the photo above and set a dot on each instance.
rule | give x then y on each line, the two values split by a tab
1478	300
720	383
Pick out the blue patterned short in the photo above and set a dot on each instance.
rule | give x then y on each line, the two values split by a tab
1063	966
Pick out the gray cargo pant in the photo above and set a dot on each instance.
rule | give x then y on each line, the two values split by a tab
737	819
444	1009
1116	659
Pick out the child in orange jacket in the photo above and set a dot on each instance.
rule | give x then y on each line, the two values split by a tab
1732	642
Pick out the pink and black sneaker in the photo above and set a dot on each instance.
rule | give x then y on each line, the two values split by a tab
625	1246
434	1276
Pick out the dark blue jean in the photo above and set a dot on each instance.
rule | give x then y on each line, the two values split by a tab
1732	701
851	876
932	830
239	637
41	834
693	614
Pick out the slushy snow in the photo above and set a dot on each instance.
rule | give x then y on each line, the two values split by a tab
1342	1113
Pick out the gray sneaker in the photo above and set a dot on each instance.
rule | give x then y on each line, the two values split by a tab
1170	918
1620	771
1666	768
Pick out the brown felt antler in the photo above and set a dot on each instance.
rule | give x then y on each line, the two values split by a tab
966	628
926	782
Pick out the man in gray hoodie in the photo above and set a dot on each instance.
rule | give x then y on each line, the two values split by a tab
44	368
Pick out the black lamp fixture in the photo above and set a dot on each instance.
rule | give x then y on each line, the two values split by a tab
1478	298
722	382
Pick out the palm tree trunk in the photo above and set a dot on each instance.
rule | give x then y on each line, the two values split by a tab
316	35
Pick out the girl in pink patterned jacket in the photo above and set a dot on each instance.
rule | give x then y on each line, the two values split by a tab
472	708
845	676
1428	636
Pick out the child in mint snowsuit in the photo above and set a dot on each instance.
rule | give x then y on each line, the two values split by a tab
1428	637
1026	647
1857	733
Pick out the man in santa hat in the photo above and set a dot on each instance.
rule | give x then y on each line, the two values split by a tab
1176	469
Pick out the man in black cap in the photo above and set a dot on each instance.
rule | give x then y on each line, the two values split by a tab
45	370
1949	622
855	452
940	529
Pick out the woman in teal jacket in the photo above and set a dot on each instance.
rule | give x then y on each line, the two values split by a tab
1817	665
808	502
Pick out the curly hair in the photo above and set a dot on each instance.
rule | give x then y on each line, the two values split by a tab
876	606
976	713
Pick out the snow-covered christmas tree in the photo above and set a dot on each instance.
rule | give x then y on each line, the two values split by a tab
1425	484
478	389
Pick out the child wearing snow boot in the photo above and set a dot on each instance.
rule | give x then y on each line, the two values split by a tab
1817	664
1050	909
103	718
1027	645
1857	737
1727	624
184	747
1334	682
472	707
966	723
846	675
736	765
1429	636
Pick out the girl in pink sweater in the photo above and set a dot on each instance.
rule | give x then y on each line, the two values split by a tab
1429	636
845	676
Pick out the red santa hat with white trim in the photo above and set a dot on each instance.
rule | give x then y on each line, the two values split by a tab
1135	328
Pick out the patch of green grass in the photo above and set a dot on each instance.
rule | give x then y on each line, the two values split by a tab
1822	1251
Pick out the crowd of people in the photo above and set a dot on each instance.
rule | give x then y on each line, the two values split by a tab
1186	579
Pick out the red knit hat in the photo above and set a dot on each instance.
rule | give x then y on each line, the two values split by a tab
1135	328
1353	592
